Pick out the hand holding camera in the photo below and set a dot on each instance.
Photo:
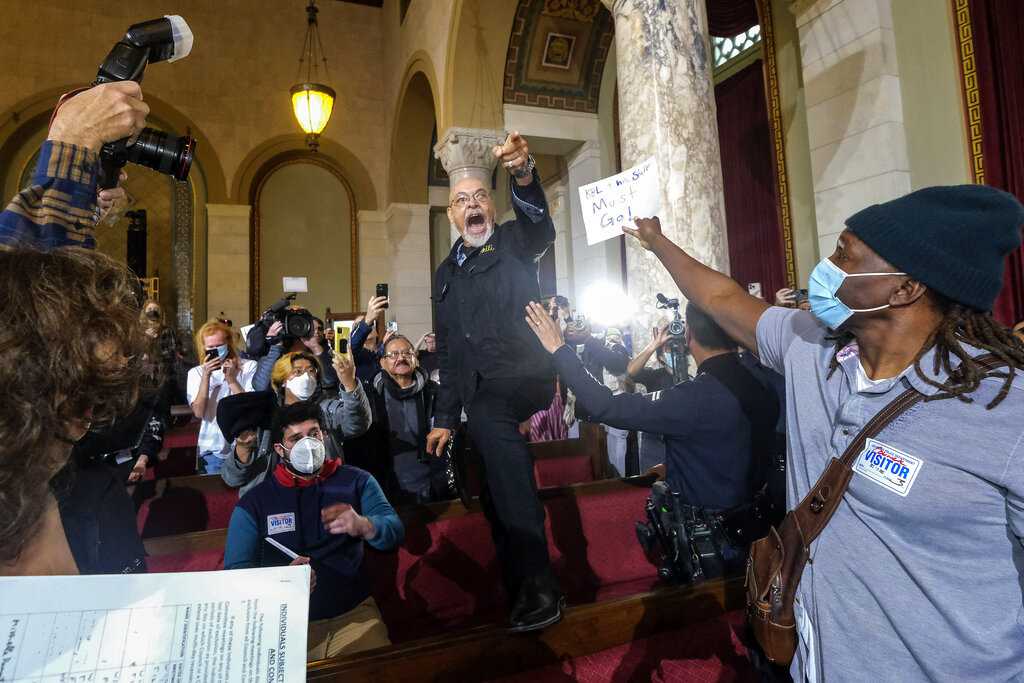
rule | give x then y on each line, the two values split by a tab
104	113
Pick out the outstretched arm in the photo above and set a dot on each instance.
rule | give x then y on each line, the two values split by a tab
535	231
671	413
721	297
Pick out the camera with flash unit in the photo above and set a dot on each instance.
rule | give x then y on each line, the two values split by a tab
296	323
167	39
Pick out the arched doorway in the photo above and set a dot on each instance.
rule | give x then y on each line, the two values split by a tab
304	225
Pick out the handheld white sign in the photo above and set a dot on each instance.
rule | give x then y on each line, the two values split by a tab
614	202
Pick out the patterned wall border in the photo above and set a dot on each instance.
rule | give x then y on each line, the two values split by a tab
969	81
515	91
771	84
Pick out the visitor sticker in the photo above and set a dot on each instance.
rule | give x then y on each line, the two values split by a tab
609	205
888	467
279	524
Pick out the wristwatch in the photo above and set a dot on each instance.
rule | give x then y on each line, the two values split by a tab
526	169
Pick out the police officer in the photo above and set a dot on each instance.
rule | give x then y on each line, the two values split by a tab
494	368
718	427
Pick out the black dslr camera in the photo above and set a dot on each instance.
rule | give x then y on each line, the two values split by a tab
296	323
166	39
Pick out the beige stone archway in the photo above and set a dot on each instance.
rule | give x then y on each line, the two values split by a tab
415	118
347	163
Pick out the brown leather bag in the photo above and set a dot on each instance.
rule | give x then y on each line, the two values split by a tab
776	562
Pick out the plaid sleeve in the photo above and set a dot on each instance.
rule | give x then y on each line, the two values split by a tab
59	208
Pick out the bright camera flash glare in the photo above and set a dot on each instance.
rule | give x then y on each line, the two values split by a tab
606	304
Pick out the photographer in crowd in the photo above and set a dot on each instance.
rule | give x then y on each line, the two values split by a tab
659	376
900	309
59	208
222	373
718	427
324	510
55	392
294	330
297	377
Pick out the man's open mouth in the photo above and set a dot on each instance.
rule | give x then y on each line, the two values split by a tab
476	221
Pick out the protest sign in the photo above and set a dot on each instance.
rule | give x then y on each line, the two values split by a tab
614	202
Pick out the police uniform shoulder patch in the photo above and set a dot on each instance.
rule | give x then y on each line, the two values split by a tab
888	467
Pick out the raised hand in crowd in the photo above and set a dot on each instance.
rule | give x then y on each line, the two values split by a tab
544	327
313	344
647	231
103	113
346	370
340	518
302	559
275	329
514	155
374	307
661	338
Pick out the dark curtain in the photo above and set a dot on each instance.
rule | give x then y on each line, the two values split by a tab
748	179
999	48
728	18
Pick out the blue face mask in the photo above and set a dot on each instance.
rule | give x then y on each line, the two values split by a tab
825	281
222	351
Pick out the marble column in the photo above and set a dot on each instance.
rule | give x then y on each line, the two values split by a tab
667	110
466	153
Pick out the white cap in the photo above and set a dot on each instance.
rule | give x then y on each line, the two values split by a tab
182	36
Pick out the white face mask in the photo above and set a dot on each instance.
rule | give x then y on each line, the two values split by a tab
307	456
303	386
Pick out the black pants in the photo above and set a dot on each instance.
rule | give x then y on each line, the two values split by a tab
509	497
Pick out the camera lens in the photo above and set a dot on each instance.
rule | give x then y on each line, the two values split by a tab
299	325
157	150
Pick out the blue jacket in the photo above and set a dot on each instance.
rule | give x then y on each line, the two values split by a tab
291	516
711	439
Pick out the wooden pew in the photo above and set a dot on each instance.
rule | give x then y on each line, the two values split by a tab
491	651
410	514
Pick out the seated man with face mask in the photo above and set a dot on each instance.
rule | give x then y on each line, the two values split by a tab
296	377
323	510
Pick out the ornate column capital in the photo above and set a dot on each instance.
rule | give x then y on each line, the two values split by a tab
466	152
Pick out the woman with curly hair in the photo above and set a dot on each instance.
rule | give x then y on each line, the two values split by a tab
71	362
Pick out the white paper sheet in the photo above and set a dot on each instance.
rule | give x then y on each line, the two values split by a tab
614	202
240	625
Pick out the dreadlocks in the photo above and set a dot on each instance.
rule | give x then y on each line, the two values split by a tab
962	325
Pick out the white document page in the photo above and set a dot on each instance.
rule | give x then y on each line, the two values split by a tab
239	625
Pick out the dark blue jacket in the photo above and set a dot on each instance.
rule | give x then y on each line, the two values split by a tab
291	516
480	306
711	443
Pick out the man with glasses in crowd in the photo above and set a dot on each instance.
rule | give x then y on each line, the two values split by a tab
402	400
492	366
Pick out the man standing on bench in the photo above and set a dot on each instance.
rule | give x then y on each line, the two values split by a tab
493	367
